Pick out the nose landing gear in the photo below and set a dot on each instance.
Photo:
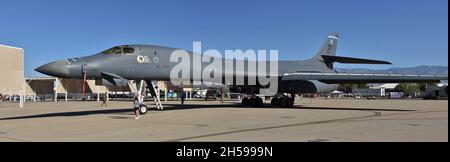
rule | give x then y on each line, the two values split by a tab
143	109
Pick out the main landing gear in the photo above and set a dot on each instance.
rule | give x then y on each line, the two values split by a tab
253	101
278	101
283	101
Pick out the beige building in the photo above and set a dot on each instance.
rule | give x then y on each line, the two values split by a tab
11	70
62	89
58	89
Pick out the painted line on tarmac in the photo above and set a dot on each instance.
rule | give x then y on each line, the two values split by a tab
374	114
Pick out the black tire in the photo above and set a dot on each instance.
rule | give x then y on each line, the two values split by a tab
252	102
290	103
275	102
284	102
259	101
246	102
143	109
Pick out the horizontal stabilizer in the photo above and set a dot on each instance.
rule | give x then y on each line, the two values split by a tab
346	78
349	60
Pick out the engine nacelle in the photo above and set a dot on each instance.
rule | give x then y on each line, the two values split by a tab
297	86
305	86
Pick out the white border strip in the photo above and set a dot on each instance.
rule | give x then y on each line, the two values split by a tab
1	45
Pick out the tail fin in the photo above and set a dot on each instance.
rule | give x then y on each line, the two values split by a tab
328	49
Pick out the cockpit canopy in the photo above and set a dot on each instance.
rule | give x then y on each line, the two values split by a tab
72	60
120	50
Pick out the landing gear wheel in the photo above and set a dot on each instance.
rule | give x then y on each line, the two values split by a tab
290	103
257	101
254	101
246	102
283	102
143	109
275	102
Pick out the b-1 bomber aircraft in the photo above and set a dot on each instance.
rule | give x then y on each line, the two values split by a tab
118	65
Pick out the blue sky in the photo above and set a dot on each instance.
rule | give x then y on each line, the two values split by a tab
406	32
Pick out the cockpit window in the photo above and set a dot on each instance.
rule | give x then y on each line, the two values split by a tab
72	60
115	50
128	50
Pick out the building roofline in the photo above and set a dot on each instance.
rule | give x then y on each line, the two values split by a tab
6	46
41	78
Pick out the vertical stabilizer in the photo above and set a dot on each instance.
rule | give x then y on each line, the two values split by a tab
328	49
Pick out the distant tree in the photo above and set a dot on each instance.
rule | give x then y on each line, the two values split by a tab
424	86
399	88
408	88
346	88
362	86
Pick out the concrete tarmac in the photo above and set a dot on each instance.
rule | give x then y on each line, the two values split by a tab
312	120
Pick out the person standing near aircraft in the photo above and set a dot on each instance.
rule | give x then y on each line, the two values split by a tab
183	98
222	97
136	105
104	101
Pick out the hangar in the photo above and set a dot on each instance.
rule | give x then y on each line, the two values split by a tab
12	73
62	89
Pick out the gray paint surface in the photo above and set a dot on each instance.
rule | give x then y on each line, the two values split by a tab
126	67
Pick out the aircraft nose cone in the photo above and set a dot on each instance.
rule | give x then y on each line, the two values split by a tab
56	69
